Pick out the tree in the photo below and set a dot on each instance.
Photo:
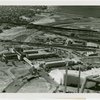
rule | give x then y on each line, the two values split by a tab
1	31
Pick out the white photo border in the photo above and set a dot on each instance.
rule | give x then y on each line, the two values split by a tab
46	96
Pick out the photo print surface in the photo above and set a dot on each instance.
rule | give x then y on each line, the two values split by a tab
49	49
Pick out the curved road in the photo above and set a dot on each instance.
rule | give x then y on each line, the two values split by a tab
14	86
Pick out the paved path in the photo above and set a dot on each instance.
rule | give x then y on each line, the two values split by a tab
10	73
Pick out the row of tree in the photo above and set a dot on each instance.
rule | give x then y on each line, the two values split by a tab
11	14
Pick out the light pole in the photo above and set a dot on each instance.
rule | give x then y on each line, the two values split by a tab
79	79
66	76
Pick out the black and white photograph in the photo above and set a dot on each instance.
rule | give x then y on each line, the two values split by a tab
49	49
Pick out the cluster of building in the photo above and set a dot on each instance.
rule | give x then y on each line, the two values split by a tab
51	61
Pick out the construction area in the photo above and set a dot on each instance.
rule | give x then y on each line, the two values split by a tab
49	53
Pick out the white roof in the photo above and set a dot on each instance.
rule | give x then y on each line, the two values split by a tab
58	75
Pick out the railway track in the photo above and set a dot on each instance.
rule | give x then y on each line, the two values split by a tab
68	31
79	48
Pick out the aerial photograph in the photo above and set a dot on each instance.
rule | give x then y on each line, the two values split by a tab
49	49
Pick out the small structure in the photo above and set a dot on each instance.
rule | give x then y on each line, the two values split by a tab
92	44
69	41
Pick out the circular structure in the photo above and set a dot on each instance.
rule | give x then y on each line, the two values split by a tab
36	86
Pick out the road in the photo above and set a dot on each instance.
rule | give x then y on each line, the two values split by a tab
10	73
46	76
14	86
